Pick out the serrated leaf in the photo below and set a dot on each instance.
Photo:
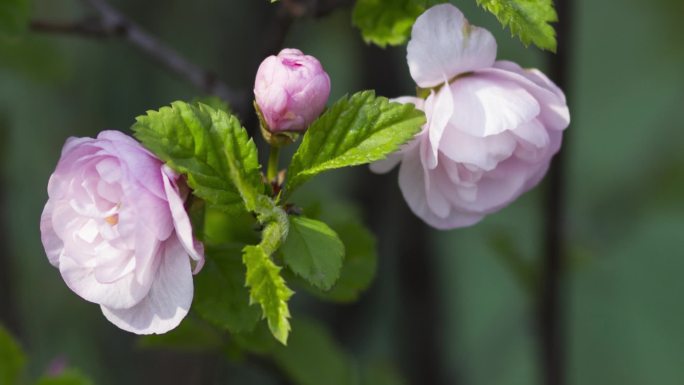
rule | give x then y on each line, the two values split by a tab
313	357
313	251
527	19
209	146
14	15
220	293
360	262
356	130
268	289
12	359
69	377
388	22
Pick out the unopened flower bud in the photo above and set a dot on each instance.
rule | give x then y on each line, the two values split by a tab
291	91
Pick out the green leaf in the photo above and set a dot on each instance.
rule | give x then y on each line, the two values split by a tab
269	290
527	19
356	130
220	293
69	377
214	102
313	251
360	262
12	359
388	22
207	145
14	15
192	335
313	357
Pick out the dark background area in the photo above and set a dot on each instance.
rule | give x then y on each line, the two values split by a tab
446	307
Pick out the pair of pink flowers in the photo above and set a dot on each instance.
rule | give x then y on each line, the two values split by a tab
115	224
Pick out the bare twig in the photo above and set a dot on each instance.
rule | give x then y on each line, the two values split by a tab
110	23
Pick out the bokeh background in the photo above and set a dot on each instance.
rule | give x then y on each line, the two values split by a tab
622	301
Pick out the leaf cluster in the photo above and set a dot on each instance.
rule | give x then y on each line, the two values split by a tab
252	244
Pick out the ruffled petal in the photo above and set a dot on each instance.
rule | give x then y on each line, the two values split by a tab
181	220
412	179
485	105
443	45
439	107
485	153
51	242
554	111
169	298
124	293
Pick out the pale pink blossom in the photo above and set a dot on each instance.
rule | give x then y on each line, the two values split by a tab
492	126
291	90
115	227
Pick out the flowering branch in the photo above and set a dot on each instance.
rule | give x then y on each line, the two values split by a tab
110	23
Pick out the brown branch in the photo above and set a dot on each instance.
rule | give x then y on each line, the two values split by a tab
110	23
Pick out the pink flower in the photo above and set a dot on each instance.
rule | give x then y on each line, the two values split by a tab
115	227
291	90
492	126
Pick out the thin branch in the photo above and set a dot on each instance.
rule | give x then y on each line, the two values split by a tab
110	23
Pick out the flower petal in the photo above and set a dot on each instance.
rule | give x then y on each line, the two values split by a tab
124	293
169	298
554	111
439	108
486	105
51	242
181	220
484	153
412	178
443	45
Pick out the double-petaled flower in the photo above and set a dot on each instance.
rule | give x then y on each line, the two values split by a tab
116	228
492	126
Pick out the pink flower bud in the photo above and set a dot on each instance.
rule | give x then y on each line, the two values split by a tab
115	227
291	90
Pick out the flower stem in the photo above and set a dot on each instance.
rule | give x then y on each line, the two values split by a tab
272	170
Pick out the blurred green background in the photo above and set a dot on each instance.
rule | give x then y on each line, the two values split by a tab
623	312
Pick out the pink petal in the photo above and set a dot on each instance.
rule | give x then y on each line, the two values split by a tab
124	293
181	220
484	153
51	242
412	179
169	298
443	45
487	105
439	109
554	111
